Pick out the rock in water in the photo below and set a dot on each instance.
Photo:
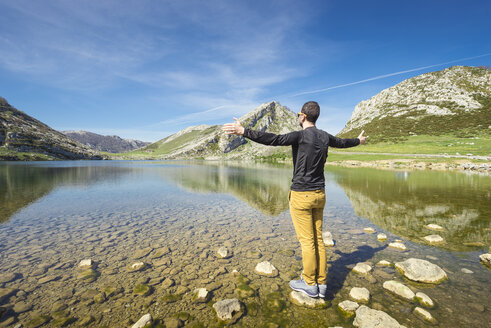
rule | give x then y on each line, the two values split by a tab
369	230
433	226
486	259
85	263
348	308
381	236
145	320
201	295
362	268
225	309
399	289
369	318
398	245
361	295
424	300
423	314
433	239
421	271
301	299
266	269
327	238
223	253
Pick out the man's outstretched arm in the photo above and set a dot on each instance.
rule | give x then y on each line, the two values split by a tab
346	143
264	138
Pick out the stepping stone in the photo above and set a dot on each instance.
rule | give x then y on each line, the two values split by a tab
424	300
366	317
302	299
399	289
398	245
360	294
433	239
362	268
348	308
382	236
423	314
434	227
421	271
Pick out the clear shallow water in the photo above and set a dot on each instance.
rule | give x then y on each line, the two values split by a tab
54	214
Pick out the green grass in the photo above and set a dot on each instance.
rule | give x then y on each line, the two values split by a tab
8	154
425	144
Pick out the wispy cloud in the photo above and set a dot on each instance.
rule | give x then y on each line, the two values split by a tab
386	75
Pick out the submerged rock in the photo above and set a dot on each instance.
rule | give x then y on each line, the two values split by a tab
366	317
433	239
398	245
424	300
223	253
144	320
86	263
266	269
302	299
421	271
362	268
360	294
383	263
138	266
201	295
228	308
369	230
399	289
348	308
423	314
433	226
8	277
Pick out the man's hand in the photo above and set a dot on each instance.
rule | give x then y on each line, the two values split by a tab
233	128
363	140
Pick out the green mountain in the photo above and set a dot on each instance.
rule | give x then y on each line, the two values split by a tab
454	101
23	137
204	141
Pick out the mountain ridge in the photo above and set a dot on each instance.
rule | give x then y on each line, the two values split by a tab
107	143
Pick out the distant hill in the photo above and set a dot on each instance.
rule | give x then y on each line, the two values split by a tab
204	141
111	144
22	134
455	101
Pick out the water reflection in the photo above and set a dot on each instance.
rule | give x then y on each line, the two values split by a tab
403	202
264	188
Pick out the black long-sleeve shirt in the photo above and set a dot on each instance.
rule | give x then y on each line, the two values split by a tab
309	150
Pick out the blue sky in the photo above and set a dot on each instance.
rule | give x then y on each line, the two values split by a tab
145	69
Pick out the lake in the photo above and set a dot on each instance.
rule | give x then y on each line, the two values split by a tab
174	216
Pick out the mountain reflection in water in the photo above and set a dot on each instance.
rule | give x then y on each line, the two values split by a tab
404	202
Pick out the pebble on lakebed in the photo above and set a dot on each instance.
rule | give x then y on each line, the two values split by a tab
486	259
266	269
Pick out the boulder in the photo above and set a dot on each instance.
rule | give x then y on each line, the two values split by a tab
421	271
302	299
366	317
399	289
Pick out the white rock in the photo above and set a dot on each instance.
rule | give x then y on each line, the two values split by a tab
223	252
145	320
423	314
381	236
200	295
424	300
464	270
360	294
327	238
399	289
85	263
137	265
369	318
225	309
421	271
485	259
348	307
433	226
433	239
302	299
266	269
398	245
383	263
369	230
362	268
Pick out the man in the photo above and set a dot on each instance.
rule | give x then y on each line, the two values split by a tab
307	197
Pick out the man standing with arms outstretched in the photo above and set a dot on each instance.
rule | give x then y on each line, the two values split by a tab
307	197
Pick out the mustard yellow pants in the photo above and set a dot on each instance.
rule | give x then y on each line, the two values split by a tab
306	210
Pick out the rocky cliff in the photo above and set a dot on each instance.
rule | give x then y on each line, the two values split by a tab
111	144
206	141
20	133
455	101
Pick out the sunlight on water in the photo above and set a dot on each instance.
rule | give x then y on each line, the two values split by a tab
174	216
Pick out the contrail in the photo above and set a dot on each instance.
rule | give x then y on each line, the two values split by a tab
384	76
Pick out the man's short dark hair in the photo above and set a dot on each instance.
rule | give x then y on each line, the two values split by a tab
312	110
